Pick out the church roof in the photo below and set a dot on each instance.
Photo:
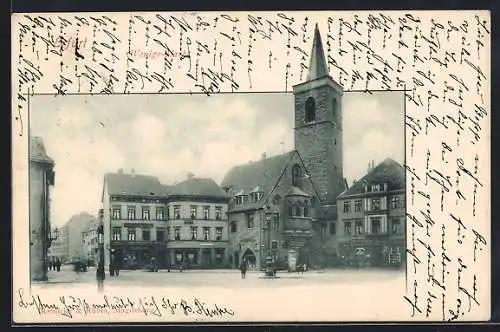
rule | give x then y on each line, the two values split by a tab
388	171
263	173
317	64
38	152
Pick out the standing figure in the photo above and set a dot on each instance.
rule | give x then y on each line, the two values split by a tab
58	264
243	269
100	276
50	264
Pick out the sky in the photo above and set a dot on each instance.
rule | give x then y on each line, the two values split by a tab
170	135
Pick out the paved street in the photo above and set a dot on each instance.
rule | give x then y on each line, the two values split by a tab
217	278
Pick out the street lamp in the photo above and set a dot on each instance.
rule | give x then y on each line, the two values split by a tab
100	242
269	271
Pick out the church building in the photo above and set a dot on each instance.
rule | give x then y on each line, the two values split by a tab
277	203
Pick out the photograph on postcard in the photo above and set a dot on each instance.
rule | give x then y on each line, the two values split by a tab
165	172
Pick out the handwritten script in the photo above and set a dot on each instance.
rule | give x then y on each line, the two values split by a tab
71	306
440	60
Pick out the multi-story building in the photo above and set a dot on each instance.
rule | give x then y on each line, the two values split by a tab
181	224
72	233
372	215
89	242
59	247
41	178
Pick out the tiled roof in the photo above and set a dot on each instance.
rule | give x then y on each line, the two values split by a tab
38	152
388	171
134	185
263	174
197	187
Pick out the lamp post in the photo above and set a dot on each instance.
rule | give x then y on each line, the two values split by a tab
100	243
269	271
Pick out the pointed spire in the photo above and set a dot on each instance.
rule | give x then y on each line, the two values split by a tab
317	65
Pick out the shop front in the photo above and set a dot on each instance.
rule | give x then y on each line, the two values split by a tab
137	256
197	258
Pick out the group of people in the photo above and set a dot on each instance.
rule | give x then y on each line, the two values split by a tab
55	264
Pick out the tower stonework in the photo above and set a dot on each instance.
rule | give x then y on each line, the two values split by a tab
318	126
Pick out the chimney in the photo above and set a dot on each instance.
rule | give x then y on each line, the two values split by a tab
373	164
264	156
132	172
120	171
190	175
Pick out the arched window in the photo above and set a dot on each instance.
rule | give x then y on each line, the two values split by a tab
295	175
334	107
310	110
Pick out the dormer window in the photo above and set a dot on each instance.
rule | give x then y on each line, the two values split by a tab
310	110
375	187
256	194
240	198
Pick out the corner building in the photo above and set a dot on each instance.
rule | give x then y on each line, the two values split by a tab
184	224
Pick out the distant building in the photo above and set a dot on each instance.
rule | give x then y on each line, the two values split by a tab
71	246
89	242
41	178
183	224
59	247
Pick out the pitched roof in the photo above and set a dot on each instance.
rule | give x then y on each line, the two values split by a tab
388	171
135	185
197	187
317	64
263	173
38	152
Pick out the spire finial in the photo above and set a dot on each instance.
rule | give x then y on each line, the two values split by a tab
317	64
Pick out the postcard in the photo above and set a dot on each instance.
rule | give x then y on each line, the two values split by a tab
212	167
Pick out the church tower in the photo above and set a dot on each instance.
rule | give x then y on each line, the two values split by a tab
318	125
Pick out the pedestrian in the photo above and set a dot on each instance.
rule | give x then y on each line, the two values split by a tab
50	265
243	269
58	264
100	276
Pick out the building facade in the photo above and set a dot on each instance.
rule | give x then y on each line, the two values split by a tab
180	225
90	244
372	215
41	178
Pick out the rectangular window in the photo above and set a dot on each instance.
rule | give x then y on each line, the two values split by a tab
375	204
168	233
146	235
146	215
347	227
160	213
218	233
234	227
239	200
206	233
324	230
298	211
131	213
396	226
347	206
274	245
376	225
333	228
117	233
177	233
358	227
376	187
194	233
306	211
394	202
276	221
177	212
159	235
250	220
206	212
116	212
358	205
131	234
218	213
219	255
193	212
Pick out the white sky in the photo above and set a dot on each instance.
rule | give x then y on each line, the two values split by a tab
171	135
